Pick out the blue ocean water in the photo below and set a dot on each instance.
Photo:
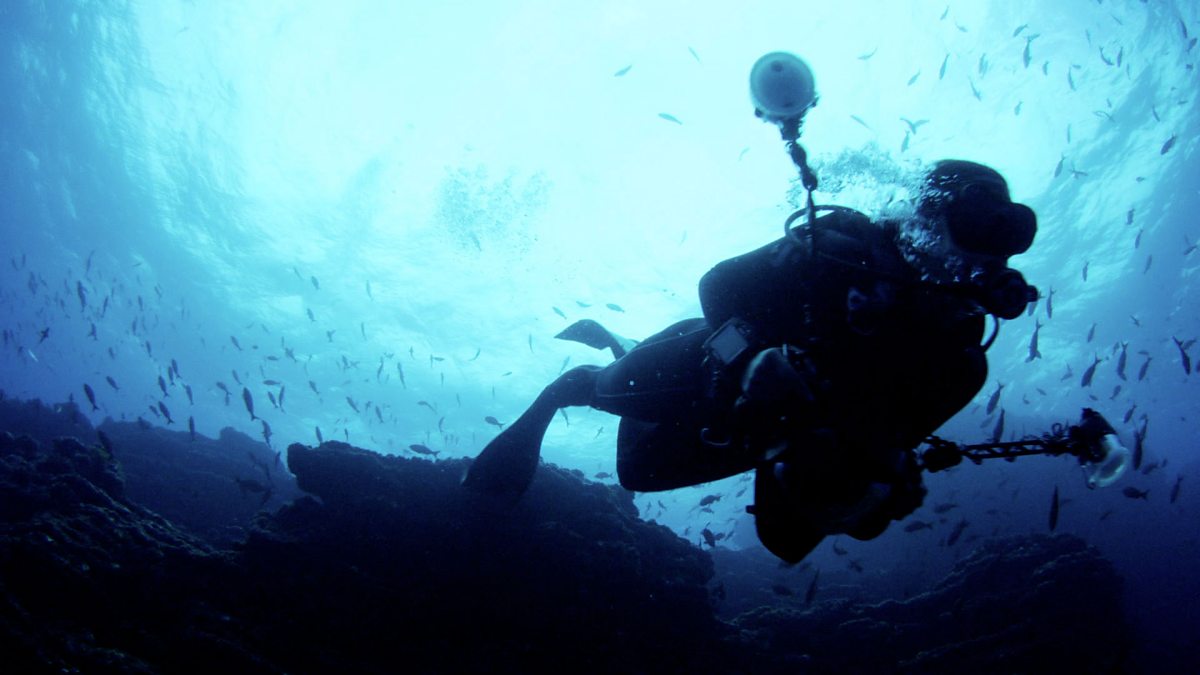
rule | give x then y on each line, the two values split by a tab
380	214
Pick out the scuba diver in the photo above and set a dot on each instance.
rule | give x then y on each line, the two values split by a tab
823	360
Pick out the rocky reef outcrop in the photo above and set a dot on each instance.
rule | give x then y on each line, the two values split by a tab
386	564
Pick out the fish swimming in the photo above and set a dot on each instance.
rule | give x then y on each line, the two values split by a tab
191	428
952	538
1175	488
621	72
670	118
812	589
352	404
942	70
1089	373
1033	343
1134	493
1129	414
1142	370
1139	443
1054	509
105	441
998	431
994	399
162	407
249	401
1183	356
1122	359
112	383
422	449
1167	146
494	422
91	396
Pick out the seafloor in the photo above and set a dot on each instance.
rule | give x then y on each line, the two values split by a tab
157	552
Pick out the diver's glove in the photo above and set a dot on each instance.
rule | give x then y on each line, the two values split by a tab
777	395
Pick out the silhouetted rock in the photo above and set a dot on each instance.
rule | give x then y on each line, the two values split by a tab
211	487
424	572
1033	604
193	481
390	565
395	567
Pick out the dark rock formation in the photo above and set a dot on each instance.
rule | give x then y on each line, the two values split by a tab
211	487
392	566
414	569
396	568
192	481
90	582
1031	604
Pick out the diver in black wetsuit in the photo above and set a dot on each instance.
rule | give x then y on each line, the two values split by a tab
822	361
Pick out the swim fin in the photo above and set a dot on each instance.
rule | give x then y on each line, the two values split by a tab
506	466
592	334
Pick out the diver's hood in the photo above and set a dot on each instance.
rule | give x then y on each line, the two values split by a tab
980	216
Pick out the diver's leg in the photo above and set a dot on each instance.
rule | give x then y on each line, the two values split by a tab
666	456
660	380
507	465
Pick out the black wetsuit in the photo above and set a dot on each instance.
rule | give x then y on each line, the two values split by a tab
894	359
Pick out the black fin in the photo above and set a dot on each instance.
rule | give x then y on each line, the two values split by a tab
592	334
506	466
